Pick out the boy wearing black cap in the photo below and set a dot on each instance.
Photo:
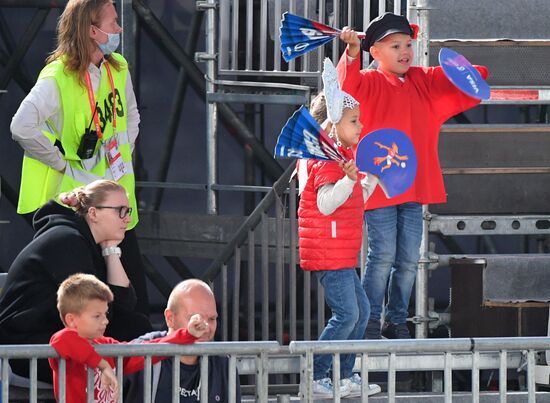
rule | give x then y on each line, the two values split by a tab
417	101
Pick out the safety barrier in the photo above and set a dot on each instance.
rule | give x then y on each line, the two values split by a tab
261	359
435	354
231	349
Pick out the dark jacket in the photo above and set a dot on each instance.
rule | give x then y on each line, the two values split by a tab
161	388
63	245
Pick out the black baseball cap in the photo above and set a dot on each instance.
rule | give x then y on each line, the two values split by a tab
384	25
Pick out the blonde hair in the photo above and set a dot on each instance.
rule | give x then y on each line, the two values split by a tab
73	35
78	290
93	194
318	108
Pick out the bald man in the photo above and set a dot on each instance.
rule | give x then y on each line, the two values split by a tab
188	298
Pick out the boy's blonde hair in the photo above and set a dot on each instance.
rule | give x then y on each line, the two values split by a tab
77	290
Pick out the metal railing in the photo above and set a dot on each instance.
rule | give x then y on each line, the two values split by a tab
447	355
246	234
259	350
261	359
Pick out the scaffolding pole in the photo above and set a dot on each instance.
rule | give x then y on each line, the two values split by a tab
211	111
420	10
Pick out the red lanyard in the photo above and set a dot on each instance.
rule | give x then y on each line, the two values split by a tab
93	103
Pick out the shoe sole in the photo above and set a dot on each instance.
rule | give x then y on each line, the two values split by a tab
370	392
342	396
374	391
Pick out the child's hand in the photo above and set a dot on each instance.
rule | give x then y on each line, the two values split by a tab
197	326
350	37
350	169
108	378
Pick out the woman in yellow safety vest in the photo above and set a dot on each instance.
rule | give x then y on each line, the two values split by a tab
79	123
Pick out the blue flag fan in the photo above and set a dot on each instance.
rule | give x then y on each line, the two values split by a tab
463	75
300	35
303	137
390	155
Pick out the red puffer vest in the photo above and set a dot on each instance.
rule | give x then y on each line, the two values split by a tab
329	242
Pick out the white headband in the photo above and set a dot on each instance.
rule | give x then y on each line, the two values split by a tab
336	99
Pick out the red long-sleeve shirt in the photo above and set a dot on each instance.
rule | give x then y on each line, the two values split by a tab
79	354
417	106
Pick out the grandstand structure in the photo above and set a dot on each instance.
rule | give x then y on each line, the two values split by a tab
484	264
480	152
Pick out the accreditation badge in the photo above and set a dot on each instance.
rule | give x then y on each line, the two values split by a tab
116	163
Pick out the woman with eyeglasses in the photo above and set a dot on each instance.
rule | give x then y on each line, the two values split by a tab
67	242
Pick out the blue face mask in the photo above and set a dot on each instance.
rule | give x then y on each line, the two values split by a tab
113	40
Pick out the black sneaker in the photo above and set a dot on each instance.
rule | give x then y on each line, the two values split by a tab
395	331
373	330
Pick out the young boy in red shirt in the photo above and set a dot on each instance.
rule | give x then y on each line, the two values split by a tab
417	101
82	301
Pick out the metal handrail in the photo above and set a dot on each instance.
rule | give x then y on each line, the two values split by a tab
449	347
262	359
420	345
175	351
251	222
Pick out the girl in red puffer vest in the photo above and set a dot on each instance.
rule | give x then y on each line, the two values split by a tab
330	220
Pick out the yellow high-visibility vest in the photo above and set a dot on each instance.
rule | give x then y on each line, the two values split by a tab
39	182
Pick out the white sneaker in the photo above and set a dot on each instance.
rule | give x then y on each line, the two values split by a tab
322	388
354	385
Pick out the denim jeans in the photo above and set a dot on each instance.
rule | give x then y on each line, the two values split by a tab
350	308
394	234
